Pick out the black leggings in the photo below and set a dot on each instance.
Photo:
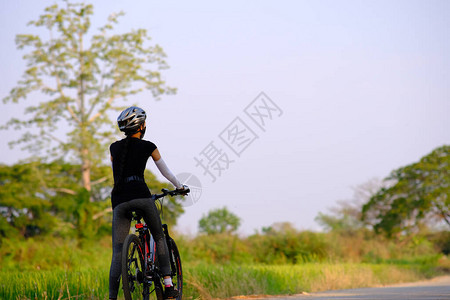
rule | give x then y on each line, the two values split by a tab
121	227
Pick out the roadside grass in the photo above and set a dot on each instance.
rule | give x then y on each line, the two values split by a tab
205	281
59	284
52	268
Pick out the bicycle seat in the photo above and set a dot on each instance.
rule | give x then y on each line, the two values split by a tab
136	216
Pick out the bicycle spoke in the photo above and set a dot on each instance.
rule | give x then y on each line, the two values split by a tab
132	269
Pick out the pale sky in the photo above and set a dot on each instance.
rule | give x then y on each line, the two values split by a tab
363	87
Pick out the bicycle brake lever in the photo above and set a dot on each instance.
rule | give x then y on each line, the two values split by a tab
182	192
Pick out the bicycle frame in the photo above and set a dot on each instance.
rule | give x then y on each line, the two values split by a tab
149	251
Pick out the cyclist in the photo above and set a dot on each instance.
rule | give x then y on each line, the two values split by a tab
130	193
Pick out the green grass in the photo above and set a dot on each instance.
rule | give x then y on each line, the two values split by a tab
53	268
212	281
53	284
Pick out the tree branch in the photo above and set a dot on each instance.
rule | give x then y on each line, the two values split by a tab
107	104
61	91
103	179
72	113
54	138
64	190
92	119
443	214
102	213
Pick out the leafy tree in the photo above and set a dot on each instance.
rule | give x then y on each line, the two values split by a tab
346	216
45	198
219	220
40	198
81	76
419	194
25	198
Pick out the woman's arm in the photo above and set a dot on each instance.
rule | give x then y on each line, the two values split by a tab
162	167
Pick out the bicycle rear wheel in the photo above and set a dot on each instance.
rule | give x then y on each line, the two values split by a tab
132	268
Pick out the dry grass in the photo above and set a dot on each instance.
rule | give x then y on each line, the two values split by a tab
211	281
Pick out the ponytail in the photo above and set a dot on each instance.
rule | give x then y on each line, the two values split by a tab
123	160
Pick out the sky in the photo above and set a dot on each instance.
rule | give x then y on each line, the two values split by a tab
292	103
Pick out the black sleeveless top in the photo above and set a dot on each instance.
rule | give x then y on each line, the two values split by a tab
131	184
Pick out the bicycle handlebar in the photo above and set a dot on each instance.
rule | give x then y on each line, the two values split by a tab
166	192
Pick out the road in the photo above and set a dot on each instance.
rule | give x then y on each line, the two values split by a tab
438	288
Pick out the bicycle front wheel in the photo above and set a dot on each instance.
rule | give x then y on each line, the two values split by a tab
175	263
133	268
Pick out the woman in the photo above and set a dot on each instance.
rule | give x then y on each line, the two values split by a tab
130	193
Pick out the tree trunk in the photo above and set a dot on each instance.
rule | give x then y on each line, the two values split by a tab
86	170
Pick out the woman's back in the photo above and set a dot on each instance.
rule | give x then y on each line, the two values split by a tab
129	159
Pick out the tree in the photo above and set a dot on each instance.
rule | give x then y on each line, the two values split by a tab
81	82
219	221
43	198
346	216
418	194
38	198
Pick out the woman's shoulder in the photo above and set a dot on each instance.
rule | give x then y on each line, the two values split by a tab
149	143
114	144
134	141
117	145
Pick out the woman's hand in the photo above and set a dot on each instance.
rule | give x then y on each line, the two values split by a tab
184	190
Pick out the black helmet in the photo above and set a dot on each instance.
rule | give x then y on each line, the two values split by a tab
131	119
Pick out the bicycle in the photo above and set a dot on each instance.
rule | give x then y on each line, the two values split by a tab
141	276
